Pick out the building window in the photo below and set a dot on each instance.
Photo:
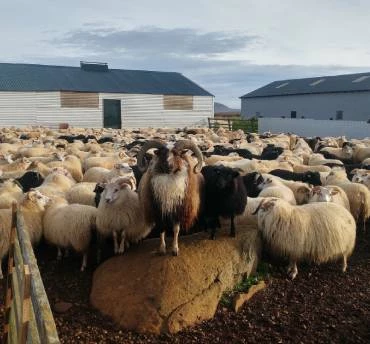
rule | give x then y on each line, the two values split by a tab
361	78
293	114
79	99
316	82
177	102
282	85
339	115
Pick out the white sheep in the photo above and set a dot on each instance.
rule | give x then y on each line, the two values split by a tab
316	232
32	208
329	193
272	187
5	227
358	195
70	163
56	184
69	225
82	193
102	175
120	214
10	192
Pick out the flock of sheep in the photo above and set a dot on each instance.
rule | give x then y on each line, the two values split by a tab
307	195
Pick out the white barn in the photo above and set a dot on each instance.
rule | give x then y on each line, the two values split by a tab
95	96
340	97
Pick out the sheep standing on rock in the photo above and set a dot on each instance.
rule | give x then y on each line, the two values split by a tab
120	214
170	190
316	232
224	195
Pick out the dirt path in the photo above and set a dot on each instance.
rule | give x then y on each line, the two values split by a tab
321	305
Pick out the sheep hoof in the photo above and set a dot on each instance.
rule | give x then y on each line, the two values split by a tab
212	237
232	234
175	253
161	252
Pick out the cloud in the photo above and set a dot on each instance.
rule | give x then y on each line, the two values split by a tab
208	58
155	40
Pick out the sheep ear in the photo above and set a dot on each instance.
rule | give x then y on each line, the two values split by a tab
303	189
31	196
122	155
117	166
334	192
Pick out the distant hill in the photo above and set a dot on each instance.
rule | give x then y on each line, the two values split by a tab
221	108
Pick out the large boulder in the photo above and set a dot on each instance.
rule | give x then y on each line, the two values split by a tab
145	292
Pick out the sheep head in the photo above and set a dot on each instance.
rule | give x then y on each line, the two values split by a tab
112	189
38	198
169	159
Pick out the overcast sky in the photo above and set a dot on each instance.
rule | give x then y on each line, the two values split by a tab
229	47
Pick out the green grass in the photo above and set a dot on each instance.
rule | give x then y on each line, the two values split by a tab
244	285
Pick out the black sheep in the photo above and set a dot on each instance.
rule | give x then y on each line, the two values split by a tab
31	179
224	195
99	188
251	183
309	177
328	155
270	152
105	139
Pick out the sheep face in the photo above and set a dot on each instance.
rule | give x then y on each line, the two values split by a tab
169	161
220	177
322	194
123	168
112	190
38	198
252	182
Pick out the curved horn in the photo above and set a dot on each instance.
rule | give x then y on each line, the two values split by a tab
187	144
141	162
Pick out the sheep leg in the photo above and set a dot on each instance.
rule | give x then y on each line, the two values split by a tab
66	253
162	246
292	270
84	262
213	225
121	248
232	227
59	255
175	243
115	240
1	271
344	265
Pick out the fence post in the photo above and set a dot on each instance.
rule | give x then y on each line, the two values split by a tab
8	293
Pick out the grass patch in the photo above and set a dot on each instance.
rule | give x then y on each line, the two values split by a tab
244	285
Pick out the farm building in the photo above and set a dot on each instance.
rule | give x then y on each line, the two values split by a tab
341	97
94	95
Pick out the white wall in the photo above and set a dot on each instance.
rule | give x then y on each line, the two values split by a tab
137	110
312	127
355	106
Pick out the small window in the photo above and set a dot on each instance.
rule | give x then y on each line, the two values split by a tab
177	102
317	82
361	78
339	115
293	114
79	99
282	85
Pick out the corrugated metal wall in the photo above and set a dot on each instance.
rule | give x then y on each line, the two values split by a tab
137	110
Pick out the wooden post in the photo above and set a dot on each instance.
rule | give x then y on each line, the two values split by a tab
9	278
26	303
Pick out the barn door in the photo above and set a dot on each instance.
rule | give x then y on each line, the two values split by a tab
112	113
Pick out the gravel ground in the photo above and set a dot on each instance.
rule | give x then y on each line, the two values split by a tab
321	305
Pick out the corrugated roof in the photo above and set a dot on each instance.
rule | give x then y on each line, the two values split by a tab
34	77
323	84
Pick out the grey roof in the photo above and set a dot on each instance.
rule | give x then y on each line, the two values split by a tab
34	77
323	84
